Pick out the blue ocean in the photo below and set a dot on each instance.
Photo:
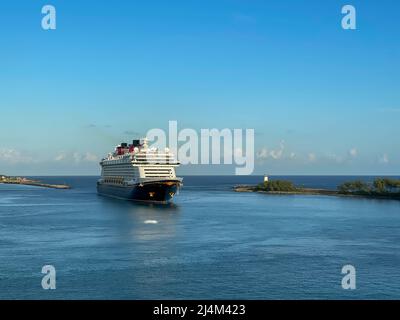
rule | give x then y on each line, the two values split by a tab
211	243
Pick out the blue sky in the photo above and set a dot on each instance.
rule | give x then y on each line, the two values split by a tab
322	100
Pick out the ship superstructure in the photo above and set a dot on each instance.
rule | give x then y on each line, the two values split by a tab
136	172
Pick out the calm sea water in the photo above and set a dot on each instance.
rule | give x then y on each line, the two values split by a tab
212	243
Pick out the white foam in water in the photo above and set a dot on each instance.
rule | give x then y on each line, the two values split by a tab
151	222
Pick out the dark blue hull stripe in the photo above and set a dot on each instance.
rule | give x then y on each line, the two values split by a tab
157	192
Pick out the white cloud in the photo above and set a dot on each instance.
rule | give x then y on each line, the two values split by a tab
277	154
312	157
76	157
14	156
10	157
90	157
264	153
384	159
61	156
353	152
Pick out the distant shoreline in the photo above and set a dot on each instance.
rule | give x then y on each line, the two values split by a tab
29	182
311	191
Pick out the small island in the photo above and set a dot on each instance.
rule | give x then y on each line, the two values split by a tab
380	188
29	182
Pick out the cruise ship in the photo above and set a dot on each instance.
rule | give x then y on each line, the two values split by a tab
136	172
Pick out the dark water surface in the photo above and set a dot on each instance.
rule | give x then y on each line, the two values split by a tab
211	243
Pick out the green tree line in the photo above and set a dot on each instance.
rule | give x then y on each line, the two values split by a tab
277	185
380	186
